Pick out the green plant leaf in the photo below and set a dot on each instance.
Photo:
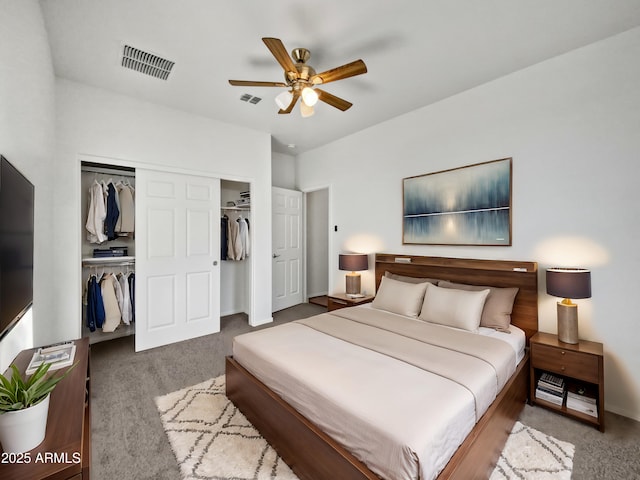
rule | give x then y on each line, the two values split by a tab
15	394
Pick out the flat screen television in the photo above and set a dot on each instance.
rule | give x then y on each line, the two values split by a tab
16	245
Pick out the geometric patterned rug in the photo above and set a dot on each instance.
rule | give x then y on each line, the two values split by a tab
211	439
530	454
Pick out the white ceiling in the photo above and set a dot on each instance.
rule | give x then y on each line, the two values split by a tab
417	51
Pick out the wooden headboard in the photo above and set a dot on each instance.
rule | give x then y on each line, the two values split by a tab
496	273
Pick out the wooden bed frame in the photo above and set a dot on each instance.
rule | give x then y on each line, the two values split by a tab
313	455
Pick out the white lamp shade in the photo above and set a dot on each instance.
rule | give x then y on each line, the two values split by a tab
306	110
309	96
284	99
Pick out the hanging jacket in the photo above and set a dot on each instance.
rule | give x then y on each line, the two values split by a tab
112	212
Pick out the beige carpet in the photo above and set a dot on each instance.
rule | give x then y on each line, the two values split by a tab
211	439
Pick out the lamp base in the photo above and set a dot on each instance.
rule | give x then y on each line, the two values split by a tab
568	323
353	283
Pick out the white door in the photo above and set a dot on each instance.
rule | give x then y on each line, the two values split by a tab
287	248
177	257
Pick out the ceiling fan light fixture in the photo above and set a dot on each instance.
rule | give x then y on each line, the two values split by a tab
306	110
309	96
284	99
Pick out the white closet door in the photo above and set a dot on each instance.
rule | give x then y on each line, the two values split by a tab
177	257
287	248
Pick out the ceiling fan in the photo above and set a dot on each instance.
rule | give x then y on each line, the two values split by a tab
301	79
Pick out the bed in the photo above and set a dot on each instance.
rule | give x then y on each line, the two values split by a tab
305	421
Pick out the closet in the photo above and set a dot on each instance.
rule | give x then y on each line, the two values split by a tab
108	251
169	254
235	271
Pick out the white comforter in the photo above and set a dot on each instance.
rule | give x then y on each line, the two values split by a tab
398	393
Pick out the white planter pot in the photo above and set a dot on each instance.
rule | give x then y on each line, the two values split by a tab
24	430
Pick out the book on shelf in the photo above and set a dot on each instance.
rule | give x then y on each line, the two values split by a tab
579	398
554	398
59	356
551	388
552	380
581	406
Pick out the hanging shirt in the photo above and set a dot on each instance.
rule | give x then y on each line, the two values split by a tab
96	214
243	234
125	308
234	250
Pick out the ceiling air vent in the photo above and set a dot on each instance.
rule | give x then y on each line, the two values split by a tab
146	63
250	98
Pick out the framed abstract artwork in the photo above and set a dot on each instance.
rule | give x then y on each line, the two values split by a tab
463	206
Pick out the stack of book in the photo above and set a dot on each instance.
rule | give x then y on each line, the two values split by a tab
577	399
551	388
110	252
244	200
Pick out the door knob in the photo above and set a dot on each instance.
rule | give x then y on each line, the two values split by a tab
275	255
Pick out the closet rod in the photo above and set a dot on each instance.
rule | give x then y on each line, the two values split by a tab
108	262
108	171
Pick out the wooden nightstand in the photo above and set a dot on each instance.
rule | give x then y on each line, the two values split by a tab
341	300
581	365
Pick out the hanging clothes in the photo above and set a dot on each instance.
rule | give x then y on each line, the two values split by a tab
112	212
125	307
110	300
126	220
224	228
234	250
96	214
95	307
243	234
132	295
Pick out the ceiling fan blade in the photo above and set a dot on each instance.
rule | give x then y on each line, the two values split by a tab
296	95
249	83
332	100
345	71
276	47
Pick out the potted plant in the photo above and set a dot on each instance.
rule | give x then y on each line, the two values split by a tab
24	407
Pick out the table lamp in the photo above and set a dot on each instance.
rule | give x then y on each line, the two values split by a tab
568	283
353	262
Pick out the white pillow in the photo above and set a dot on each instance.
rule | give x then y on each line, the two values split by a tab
453	308
399	297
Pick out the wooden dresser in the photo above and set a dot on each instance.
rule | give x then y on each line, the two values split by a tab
65	452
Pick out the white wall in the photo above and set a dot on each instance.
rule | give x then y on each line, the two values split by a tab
572	126
27	140
96	122
283	170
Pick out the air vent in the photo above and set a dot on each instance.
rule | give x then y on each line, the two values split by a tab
146	63
250	98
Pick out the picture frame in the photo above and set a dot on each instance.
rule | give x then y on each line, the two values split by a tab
468	205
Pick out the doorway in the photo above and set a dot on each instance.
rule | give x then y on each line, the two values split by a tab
317	245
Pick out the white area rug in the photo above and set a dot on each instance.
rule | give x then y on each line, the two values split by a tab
532	455
213	440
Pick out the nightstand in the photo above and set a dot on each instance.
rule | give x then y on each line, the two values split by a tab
581	365
341	300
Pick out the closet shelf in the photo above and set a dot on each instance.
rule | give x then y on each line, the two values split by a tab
111	261
248	207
